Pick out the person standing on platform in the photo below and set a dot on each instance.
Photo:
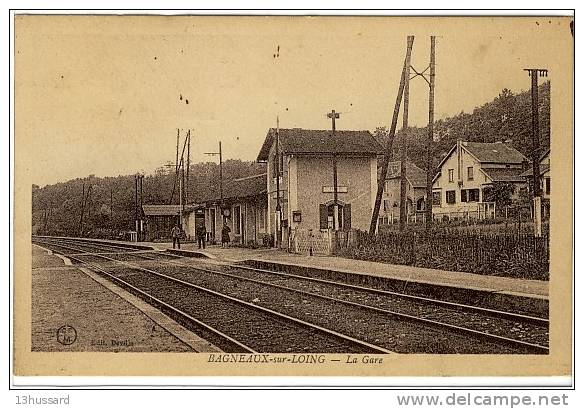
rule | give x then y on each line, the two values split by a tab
201	235
175	233
225	235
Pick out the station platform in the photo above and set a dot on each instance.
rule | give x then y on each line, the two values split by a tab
505	285
76	310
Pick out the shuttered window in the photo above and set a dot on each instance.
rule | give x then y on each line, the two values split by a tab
347	217
323	217
437	198
469	195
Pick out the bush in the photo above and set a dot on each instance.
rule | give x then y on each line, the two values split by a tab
511	255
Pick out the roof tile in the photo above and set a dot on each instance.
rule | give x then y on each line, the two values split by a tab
316	141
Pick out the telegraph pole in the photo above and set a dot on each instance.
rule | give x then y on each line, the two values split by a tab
84	197
535	154
403	211
180	195
278	203
429	164
221	174
136	206
178	166
177	142
82	210
387	156
188	165
141	207
111	213
333	116
220	153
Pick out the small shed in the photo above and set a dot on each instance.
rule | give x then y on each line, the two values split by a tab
159	220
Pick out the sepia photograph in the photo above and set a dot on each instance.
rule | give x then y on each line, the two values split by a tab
293	195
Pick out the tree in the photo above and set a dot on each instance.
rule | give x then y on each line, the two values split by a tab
499	192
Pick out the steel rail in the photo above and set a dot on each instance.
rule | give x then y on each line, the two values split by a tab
168	306
482	310
362	344
455	328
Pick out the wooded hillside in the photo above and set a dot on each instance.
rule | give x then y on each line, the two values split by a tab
506	118
56	209
109	208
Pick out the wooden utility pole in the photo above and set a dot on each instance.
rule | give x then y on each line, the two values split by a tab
220	153
535	154
430	143
387	156
178	166
221	174
188	166
333	116
82	210
278	200
180	194
111	221
403	208
141	207
136	223
177	142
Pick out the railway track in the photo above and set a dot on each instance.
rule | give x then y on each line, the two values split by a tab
234	325
512	332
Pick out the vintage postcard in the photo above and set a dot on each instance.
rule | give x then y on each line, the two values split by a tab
293	195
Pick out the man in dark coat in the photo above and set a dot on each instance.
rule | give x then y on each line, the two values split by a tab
175	233
201	235
225	235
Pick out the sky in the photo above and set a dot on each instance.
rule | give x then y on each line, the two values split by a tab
105	95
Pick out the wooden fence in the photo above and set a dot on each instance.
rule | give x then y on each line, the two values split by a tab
512	255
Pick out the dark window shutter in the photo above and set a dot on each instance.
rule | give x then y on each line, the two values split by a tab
347	217
323	217
463	195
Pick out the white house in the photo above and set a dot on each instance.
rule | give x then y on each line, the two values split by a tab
468	171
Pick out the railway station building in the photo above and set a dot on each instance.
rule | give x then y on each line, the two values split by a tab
243	209
304	175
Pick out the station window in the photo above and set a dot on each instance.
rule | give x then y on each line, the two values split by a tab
261	218
237	219
451	196
470	173
451	175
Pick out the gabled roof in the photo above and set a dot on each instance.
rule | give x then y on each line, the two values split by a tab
415	175
543	168
504	174
315	141
496	152
246	187
489	152
243	187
